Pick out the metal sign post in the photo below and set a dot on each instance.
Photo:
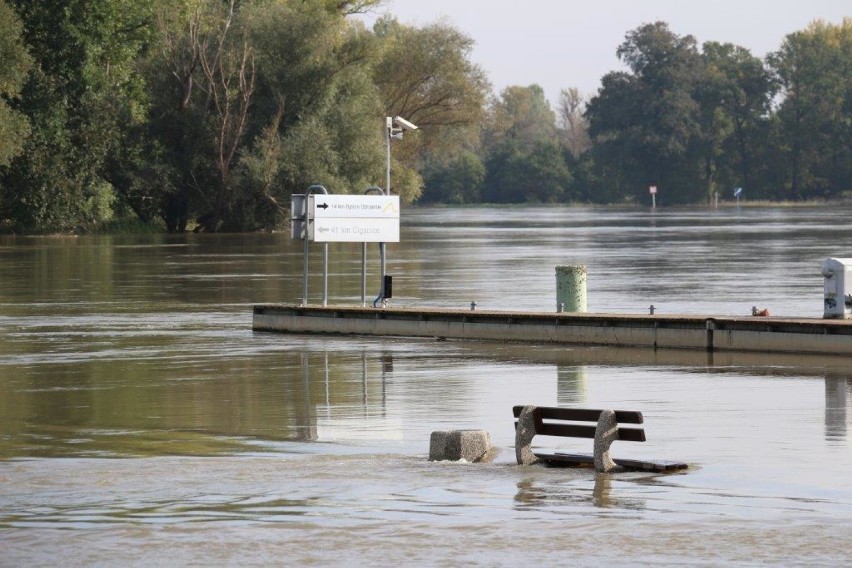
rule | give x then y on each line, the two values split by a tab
373	190
300	220
394	128
321	217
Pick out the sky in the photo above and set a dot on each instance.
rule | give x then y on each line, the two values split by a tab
560	44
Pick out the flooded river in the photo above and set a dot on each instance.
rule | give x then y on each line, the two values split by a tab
143	422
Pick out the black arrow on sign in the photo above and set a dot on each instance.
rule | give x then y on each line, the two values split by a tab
322	206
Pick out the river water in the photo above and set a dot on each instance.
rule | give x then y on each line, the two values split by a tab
143	422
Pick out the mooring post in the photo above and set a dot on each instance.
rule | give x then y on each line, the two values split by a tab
571	288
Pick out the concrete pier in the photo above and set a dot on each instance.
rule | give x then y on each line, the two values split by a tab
758	334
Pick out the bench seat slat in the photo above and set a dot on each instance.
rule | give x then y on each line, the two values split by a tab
583	414
580	460
579	431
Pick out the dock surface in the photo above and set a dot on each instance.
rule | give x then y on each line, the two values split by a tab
760	334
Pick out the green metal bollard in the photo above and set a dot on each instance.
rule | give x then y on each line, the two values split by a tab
571	288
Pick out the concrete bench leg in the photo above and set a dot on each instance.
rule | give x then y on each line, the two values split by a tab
524	435
605	433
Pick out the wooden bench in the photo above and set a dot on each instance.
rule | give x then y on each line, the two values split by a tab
604	426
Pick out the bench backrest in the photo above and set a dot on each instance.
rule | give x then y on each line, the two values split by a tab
551	421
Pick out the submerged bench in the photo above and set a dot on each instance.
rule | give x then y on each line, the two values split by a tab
577	423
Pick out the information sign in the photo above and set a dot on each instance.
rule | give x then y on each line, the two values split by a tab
355	218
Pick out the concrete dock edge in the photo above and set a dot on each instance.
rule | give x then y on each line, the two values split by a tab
760	334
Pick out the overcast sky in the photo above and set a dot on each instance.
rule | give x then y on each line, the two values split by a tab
564	43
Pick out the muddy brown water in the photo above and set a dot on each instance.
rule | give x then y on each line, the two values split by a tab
142	422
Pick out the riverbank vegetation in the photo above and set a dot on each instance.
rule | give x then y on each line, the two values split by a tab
208	114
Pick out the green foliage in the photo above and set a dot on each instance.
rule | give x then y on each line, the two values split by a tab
814	69
645	123
524	160
457	182
697	124
425	75
78	102
15	64
521	116
318	85
735	96
255	103
515	175
211	113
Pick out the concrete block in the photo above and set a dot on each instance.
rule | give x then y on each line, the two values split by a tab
455	445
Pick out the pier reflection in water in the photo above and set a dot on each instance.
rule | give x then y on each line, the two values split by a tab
838	393
363	418
142	422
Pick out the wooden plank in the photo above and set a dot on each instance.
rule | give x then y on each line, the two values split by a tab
583	414
580	460
657	466
566	430
631	434
567	460
580	431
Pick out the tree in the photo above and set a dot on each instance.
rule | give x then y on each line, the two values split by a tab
425	75
204	76
644	122
457	182
572	125
521	116
735	94
517	176
271	97
15	64
814	70
318	87
82	93
523	157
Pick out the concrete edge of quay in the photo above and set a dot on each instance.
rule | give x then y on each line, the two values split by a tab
708	333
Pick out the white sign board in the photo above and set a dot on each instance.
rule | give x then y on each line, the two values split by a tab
355	218
652	190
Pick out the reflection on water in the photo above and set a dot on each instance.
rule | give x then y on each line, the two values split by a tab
141	419
571	385
838	392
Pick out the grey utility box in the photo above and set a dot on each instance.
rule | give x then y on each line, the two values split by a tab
298	203
838	288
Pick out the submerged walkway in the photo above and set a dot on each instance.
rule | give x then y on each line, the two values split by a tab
762	334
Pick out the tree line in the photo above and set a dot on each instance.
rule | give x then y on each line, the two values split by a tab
207	115
694	121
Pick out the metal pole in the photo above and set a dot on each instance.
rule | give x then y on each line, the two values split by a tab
306	220
388	143
324	274
372	190
383	250
363	274
305	255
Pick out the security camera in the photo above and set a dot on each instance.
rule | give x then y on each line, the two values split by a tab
404	123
